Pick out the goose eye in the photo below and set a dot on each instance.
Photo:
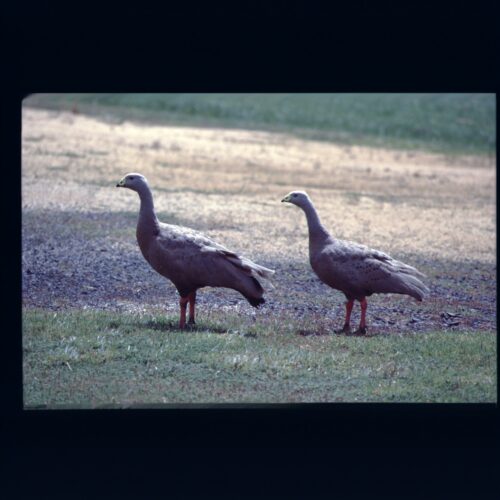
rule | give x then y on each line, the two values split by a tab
295	196
131	178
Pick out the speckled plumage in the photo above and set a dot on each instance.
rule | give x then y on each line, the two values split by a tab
191	260
359	271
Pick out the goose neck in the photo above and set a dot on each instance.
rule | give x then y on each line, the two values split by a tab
316	229
147	215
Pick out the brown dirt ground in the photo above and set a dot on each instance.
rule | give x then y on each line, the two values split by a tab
435	212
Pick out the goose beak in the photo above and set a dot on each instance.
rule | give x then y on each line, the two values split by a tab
286	199
121	183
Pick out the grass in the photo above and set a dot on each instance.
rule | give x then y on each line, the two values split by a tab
96	358
443	123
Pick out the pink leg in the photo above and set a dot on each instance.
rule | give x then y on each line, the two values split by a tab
348	309
192	302
183	303
362	324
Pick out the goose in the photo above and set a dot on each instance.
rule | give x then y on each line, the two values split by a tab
189	259
356	270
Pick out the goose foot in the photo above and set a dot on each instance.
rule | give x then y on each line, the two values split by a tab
345	329
360	331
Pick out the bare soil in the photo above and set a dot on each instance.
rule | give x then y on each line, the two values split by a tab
435	212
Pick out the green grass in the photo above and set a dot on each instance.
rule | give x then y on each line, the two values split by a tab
444	123
93	359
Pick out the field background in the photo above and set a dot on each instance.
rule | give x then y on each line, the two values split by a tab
445	123
413	175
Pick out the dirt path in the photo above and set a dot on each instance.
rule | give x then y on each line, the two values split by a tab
79	249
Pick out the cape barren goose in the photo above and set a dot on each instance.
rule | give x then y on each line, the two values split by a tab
356	270
189	259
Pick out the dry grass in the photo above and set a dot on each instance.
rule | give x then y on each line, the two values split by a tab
233	180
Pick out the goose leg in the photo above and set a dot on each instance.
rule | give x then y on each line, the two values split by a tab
183	304
192	302
362	324
348	309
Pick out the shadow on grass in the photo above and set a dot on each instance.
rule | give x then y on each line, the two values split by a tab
330	331
173	326
314	333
